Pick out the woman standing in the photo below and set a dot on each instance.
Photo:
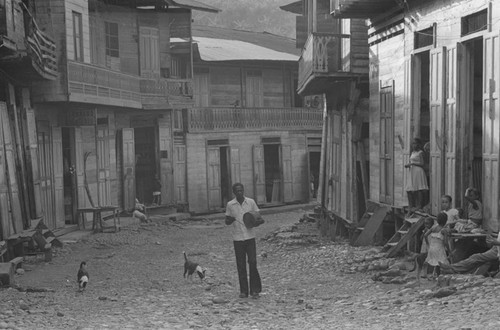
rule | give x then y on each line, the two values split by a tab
416	183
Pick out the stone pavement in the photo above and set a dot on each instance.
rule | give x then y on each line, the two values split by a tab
136	283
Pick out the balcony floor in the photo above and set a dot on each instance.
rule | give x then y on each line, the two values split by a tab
319	83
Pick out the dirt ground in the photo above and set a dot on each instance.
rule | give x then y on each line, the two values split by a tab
136	283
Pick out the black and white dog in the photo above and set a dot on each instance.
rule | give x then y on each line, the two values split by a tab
190	267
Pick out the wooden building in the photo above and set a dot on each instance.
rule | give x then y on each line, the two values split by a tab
334	63
248	125
105	123
434	74
27	54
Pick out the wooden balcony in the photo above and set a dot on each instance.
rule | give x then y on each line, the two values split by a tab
156	93
231	119
93	84
361	8
329	58
25	50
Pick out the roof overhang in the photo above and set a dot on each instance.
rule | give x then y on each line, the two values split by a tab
294	7
364	8
160	4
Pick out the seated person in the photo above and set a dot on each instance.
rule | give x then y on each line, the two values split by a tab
474	213
453	214
479	263
139	211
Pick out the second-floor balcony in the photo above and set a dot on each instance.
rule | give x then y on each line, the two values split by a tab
94	84
25	50
360	9
232	119
328	58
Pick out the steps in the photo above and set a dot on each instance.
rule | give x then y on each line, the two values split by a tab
404	234
370	223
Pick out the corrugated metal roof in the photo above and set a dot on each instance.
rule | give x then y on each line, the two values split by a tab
294	7
193	4
213	49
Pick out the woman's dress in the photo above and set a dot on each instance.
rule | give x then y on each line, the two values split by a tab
416	178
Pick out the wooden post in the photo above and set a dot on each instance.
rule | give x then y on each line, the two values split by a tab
323	180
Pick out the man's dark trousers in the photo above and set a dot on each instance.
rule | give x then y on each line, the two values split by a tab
244	249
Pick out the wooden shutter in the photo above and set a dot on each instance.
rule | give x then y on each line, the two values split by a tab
259	174
387	144
235	166
336	163
180	173
6	224
79	160
491	131
13	188
407	115
286	159
103	166
33	157
166	159
453	56
128	168
58	171
437	136
149	51
201	90
213	178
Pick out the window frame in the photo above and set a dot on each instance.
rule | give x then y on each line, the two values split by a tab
78	54
112	40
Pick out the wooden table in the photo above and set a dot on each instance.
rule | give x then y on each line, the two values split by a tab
97	222
459	244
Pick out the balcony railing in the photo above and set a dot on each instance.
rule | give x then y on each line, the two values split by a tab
41	47
227	119
321	55
90	83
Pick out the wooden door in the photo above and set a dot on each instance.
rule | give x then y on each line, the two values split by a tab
213	178
81	194
491	131
437	78
253	88
180	173
453	59
103	166
408	127
46	176
235	166
149	51
166	159
128	168
58	172
286	172
387	144
259	174
336	163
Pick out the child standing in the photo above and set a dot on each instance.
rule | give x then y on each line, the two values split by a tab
435	239
424	249
156	191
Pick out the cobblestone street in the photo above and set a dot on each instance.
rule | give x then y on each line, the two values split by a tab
136	283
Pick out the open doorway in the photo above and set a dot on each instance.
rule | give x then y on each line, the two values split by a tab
314	159
146	163
474	106
225	178
423	116
272	172
69	175
219	174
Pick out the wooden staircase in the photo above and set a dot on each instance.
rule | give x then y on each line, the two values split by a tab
370	223
404	234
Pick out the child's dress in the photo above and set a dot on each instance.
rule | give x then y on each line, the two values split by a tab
436	252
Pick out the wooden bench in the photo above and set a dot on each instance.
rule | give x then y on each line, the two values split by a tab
97	221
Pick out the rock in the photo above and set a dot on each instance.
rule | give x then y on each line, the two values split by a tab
206	303
20	271
219	300
308	306
445	292
103	298
4	325
24	307
60	314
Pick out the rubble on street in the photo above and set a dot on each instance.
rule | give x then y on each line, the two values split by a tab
136	283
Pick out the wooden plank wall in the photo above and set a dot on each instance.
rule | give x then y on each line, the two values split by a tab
359	46
82	8
226	85
244	141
